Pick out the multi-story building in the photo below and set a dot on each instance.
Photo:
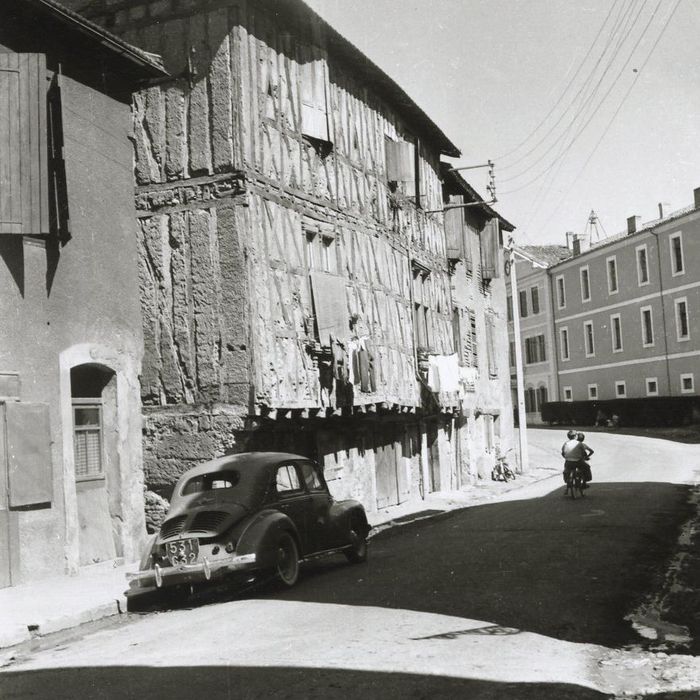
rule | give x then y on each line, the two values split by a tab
71	480
294	273
534	305
626	311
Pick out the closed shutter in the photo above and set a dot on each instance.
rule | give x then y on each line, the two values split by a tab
454	228
23	150
400	166
314	94
491	346
490	269
28	454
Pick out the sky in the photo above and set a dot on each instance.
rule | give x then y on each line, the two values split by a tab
581	104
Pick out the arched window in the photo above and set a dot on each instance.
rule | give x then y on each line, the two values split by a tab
541	397
530	400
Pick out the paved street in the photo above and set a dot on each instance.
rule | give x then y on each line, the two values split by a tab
473	603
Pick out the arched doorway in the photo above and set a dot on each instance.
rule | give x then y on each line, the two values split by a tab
96	460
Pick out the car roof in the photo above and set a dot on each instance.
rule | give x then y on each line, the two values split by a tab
253	461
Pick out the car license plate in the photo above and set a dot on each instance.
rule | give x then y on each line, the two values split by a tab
182	552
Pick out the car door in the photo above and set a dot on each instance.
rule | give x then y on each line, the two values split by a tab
294	501
323	532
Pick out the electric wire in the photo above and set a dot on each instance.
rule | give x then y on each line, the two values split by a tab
587	99
566	88
593	112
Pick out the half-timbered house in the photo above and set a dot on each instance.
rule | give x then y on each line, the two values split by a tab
71	480
294	275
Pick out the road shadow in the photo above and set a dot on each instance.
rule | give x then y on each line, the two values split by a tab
551	565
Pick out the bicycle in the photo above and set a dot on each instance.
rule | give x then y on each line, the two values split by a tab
575	483
501	471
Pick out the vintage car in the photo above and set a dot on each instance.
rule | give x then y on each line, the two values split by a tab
251	513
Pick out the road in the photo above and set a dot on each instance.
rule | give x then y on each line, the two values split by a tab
524	598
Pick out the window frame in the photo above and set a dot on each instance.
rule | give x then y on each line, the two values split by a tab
594	388
561	291
640	282
676	304
535	299
564	332
612	259
621	383
78	403
646	384
691	376
586	269
522	307
618	318
570	391
642	309
585	339
678	236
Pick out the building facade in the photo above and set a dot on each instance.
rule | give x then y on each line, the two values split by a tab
294	275
71	488
626	309
538	347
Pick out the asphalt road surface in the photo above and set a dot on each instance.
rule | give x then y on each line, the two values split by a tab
518	599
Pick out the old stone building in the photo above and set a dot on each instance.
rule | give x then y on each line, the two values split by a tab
71	486
295	281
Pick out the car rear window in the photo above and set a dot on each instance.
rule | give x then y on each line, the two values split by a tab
211	482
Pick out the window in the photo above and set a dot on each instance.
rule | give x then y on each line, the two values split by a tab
616	332
687	383
314	94
620	390
87	439
564	343
585	284
311	478
321	252
611	264
588	338
511	353
647	326
541	397
682	328
523	304
287	479
509	307
676	243
421	311
473	348
642	265
535	298
530	400
491	346
402	167
561	292
652	386
211	482
568	394
535	350
592	392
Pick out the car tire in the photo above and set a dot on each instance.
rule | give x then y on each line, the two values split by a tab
287	560
357	551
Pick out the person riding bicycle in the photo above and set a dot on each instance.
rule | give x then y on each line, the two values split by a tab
587	474
575	453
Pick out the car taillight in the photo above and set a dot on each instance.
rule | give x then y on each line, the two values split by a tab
230	547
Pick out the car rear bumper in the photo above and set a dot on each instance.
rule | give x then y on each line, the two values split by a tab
162	576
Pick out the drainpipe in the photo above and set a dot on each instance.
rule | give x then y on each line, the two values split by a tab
663	311
555	334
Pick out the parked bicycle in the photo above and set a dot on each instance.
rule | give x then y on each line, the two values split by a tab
575	482
501	470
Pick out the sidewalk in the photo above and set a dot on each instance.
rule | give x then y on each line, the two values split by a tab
50	605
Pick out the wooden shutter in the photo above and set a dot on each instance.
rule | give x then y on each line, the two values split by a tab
23	150
491	346
400	166
28	453
314	94
454	228
490	269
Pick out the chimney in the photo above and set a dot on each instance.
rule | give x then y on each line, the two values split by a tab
696	192
664	209
570	238
580	242
633	223
576	246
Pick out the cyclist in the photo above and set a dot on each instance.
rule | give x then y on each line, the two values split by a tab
573	454
587	451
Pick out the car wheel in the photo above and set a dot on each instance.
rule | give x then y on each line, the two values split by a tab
287	560
357	551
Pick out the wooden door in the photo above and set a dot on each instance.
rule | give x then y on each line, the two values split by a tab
433	457
386	471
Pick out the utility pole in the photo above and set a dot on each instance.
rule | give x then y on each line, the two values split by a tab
519	383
